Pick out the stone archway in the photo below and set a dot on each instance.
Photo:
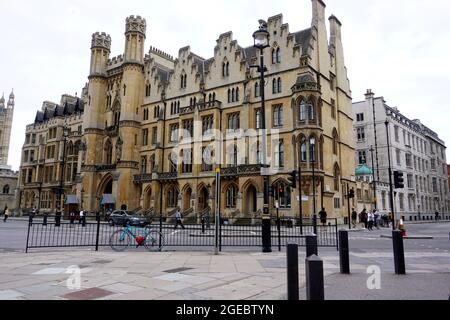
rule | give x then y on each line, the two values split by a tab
250	200
106	188
147	198
187	195
203	196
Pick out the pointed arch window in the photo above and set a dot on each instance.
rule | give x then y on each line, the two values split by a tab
302	111
152	163
237	98
303	150
232	156
231	197
274	86
229	95
278	55
279	154
172	197
257	90
311	111
279	83
108	152
335	142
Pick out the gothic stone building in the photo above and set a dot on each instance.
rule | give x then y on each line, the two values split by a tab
53	144
415	150
152	123
8	178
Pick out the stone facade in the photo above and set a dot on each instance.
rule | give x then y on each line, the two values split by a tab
41	183
8	178
149	118
415	150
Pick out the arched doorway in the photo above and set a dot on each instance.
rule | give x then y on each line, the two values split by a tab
203	199
187	195
147	198
105	190
251	200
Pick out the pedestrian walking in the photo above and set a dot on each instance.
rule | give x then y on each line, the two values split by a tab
354	217
363	218
377	219
371	220
179	220
72	218
323	217
6	214
81	217
391	219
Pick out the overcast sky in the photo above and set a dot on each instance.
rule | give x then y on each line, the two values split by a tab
400	49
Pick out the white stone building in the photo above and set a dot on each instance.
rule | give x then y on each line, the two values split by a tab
415	150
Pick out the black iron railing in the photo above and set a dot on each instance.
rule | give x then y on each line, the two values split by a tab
198	231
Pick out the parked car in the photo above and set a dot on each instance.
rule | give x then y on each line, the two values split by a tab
124	217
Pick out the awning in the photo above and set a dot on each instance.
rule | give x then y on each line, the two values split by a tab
108	199
72	199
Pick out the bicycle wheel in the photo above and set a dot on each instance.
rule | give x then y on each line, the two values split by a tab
152	241
120	240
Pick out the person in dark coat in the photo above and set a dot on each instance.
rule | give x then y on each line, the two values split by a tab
323	217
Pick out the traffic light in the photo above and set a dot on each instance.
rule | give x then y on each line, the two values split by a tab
399	181
293	180
351	194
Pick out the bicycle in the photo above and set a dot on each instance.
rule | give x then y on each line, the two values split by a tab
151	239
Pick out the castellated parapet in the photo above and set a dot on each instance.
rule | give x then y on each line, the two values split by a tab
101	40
136	24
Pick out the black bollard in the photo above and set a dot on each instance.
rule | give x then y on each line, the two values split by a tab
344	253
314	279
44	223
30	220
311	245
292	272
399	252
83	221
97	217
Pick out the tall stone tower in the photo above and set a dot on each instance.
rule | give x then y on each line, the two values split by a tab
131	100
6	118
94	119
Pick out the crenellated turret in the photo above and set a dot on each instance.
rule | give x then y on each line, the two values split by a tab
11	102
2	101
100	50
135	39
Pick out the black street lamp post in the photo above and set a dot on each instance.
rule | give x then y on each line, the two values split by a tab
391	194
312	143
374	182
261	41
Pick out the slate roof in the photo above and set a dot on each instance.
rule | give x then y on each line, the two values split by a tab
60	111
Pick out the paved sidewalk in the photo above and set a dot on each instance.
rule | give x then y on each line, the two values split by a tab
141	275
